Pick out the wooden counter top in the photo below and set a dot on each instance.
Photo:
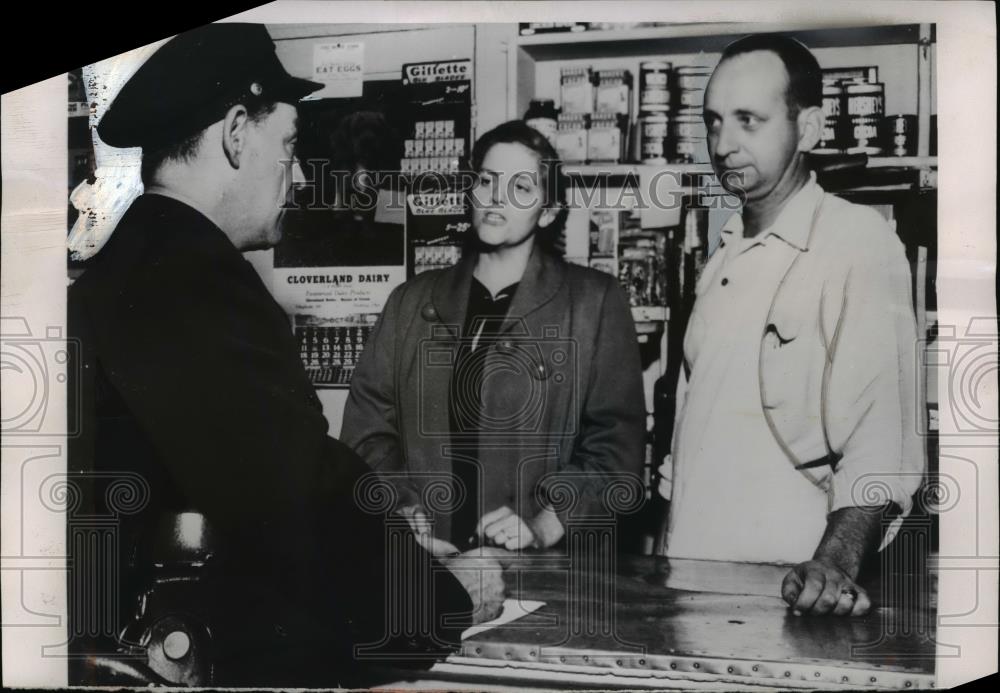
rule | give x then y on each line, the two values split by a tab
654	622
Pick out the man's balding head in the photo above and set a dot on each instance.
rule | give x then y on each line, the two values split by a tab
805	79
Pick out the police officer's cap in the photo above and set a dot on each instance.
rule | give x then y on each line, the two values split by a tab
192	80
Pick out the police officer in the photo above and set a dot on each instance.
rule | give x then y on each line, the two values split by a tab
198	386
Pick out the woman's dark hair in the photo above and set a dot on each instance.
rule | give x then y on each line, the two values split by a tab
553	181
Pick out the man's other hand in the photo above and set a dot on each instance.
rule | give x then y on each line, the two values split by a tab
817	588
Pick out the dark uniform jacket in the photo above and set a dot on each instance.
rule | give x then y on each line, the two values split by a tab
561	418
192	382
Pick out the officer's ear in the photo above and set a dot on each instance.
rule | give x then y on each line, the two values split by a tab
810	126
234	133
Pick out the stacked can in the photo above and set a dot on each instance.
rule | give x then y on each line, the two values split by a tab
903	132
654	108
865	111
831	140
690	136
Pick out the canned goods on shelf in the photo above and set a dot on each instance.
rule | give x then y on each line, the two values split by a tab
690	150
690	124
864	136
831	140
690	138
654	130
865	99
692	76
900	132
691	98
865	110
654	86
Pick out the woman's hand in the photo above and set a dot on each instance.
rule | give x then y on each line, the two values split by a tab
416	515
503	527
437	547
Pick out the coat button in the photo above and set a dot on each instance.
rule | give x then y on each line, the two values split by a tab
725	280
429	313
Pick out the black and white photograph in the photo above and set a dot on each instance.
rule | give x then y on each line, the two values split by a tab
449	346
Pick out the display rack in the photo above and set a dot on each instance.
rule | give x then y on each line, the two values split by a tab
531	56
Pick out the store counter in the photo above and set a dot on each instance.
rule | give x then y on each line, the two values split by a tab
639	622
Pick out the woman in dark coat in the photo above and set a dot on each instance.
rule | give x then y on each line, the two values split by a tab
502	398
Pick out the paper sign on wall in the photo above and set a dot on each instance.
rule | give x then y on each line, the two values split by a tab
341	67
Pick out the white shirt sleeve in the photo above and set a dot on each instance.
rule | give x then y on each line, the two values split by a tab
871	402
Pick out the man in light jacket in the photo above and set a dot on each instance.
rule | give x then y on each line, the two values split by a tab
798	398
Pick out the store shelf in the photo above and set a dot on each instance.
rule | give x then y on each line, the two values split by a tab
703	37
631	169
650	169
903	162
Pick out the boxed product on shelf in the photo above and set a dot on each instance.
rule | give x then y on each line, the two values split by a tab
614	92
436	228
571	137
576	90
433	148
431	257
605	140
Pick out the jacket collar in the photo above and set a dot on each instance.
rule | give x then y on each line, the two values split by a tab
184	199
543	276
795	221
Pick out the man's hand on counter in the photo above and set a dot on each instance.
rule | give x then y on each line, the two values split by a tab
815	587
825	585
